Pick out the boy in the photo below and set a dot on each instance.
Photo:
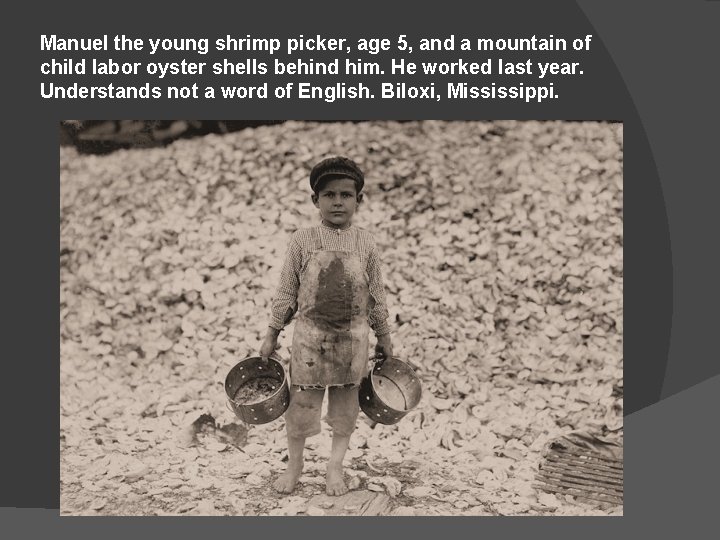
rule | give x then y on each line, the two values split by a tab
331	280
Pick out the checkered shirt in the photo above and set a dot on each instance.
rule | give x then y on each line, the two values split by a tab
302	244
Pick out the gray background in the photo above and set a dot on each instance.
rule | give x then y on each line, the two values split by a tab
654	71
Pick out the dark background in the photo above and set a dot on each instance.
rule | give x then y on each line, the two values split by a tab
651	68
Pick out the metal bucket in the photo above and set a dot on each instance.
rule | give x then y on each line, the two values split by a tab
390	391
268	409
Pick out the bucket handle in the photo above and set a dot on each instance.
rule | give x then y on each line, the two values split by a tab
374	360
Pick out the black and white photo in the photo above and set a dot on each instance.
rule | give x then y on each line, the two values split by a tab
490	257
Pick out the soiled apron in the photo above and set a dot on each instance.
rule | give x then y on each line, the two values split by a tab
330	342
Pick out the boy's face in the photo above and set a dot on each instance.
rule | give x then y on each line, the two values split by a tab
337	201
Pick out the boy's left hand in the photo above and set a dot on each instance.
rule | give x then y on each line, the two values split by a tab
383	349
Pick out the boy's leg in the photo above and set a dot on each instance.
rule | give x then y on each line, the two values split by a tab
286	481
343	409
302	420
334	481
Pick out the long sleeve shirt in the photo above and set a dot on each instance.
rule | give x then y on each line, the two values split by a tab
302	243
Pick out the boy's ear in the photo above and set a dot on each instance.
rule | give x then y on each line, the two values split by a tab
360	197
315	200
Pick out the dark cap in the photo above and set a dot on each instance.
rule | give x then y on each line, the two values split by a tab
337	167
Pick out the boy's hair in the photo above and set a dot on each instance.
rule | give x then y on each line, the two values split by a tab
336	167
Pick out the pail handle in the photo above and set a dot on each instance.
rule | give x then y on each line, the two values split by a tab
415	367
374	359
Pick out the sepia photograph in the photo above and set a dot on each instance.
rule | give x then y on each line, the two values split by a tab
316	318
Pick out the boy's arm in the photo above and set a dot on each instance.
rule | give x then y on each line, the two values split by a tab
284	303
379	313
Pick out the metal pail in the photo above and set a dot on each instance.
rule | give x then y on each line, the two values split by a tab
268	409
390	391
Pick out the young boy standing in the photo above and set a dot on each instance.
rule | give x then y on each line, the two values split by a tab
331	282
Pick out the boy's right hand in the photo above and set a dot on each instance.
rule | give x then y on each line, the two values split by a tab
268	346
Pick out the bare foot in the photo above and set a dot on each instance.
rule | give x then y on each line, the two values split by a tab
286	481
334	483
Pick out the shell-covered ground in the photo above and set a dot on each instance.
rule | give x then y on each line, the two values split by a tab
502	253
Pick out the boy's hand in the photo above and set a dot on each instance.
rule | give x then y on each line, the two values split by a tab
269	344
383	349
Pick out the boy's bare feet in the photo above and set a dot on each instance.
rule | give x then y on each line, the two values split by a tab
286	481
334	483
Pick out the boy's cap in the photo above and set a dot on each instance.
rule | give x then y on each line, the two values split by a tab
338	167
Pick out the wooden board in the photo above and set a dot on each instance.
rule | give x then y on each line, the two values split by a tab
582	473
354	503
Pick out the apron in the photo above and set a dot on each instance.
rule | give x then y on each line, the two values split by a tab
330	342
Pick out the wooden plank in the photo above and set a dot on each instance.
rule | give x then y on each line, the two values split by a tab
581	473
578	484
377	506
576	461
583	469
353	503
584	479
610	462
586	465
614	464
